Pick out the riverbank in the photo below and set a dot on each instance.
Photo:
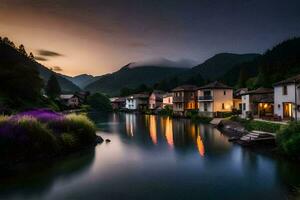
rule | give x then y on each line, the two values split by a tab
44	134
286	142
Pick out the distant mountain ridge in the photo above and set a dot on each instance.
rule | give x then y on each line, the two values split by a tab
131	77
82	80
216	66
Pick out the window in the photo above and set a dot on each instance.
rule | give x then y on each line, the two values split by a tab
224	92
223	106
205	107
284	90
244	106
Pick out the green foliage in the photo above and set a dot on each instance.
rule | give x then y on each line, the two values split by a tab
53	88
41	139
99	102
69	141
79	126
194	116
242	78
166	111
288	139
258	125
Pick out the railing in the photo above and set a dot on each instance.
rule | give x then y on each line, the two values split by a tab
205	98
178	99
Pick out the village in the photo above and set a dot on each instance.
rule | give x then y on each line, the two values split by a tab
217	100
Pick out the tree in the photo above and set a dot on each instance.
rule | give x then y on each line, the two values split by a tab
22	50
52	88
242	78
99	102
31	56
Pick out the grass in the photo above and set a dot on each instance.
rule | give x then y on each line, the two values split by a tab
44	132
251	125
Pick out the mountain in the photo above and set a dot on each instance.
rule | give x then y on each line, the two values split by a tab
216	66
131	76
276	64
82	80
11	54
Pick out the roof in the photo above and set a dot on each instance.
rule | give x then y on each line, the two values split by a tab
263	98
260	90
185	88
291	80
140	95
215	85
66	96
168	95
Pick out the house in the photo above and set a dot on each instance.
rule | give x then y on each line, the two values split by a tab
287	98
214	98
258	103
156	100
168	100
184	99
118	103
69	100
82	96
137	102
237	100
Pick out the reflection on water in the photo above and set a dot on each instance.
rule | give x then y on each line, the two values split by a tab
152	157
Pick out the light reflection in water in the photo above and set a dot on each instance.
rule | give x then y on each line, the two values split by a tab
200	146
152	129
130	121
169	131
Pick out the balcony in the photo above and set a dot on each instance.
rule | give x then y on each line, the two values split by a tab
205	98
178	99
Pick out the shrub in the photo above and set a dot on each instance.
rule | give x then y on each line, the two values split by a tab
77	125
166	111
288	139
69	141
40	139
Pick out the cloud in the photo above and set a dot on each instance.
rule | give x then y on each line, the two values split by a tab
43	52
39	58
57	69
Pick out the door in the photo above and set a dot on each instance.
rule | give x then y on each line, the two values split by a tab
287	110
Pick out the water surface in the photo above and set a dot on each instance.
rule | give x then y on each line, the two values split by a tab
153	157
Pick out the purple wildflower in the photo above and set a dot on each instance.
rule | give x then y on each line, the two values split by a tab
42	115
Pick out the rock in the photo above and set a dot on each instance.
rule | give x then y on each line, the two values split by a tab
107	140
99	139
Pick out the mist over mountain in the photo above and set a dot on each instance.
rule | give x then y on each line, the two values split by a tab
163	62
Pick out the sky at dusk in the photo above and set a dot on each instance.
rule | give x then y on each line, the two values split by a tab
100	36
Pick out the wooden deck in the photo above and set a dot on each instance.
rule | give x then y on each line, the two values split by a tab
257	138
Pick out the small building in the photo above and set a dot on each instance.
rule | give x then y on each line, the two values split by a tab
69	100
287	98
258	103
156	100
237	100
82	96
184	99
214	98
118	103
137	102
168	100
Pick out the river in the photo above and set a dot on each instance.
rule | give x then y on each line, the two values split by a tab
152	157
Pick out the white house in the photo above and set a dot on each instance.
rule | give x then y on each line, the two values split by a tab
287	98
258	103
136	102
215	97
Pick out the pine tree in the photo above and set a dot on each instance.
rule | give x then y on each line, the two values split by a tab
53	89
22	50
31	56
